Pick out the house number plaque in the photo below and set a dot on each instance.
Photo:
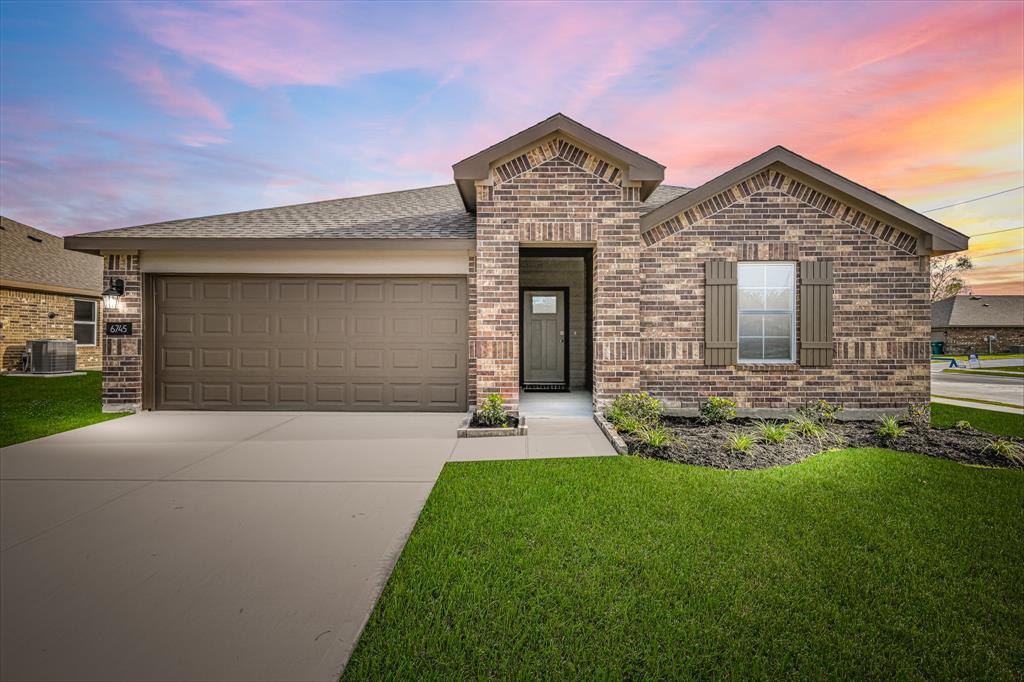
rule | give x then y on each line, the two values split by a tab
119	328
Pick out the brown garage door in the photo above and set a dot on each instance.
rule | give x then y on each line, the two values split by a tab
310	343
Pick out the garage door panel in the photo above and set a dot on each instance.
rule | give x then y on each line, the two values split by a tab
322	343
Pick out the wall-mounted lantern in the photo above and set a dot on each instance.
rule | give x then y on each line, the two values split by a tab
111	295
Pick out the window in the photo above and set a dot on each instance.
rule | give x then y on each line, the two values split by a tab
765	296
543	305
85	323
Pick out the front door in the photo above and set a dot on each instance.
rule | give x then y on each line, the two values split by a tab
544	348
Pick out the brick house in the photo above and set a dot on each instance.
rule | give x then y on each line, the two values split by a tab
47	292
558	260
979	324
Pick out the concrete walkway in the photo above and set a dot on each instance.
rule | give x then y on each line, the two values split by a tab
219	546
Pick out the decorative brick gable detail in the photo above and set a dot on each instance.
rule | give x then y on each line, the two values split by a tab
122	356
561	149
776	180
882	314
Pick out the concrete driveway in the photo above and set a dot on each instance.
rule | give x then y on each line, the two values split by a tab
218	546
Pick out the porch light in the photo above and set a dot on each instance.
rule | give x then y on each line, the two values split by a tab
111	295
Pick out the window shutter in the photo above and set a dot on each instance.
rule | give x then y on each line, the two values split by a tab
816	282
720	313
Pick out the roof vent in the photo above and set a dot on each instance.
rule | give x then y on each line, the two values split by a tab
35	239
975	298
984	305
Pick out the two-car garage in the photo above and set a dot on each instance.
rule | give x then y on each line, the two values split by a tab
274	342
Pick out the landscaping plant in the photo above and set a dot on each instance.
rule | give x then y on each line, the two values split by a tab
492	413
631	411
771	431
920	416
821	411
963	425
890	428
716	410
1008	449
654	435
739	442
628	424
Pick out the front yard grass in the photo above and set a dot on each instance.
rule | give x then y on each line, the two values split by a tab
32	407
852	564
999	423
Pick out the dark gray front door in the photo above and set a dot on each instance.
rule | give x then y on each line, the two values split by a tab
543	336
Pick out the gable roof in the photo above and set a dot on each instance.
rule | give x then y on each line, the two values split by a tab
426	213
638	168
938	238
979	311
36	260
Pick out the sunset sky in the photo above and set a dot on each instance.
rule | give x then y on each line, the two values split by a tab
116	114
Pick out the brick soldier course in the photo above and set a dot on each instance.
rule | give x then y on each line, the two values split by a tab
560	185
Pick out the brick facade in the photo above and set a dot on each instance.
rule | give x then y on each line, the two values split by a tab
963	340
122	356
26	316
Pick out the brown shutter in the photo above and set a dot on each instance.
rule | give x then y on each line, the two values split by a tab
816	281
720	313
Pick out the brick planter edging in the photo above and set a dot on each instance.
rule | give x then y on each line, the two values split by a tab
611	434
466	431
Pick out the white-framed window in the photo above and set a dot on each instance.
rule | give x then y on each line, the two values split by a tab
85	322
766	298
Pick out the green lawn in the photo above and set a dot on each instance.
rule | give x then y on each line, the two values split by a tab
33	407
855	564
1000	423
1015	371
1008	356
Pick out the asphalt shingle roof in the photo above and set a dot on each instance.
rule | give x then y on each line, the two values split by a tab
426	213
36	257
979	311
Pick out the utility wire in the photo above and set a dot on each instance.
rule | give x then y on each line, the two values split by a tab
967	201
997	253
1008	229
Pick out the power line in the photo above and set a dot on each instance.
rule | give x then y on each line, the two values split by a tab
1008	229
967	201
997	253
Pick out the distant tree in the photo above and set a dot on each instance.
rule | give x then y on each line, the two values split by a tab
946	271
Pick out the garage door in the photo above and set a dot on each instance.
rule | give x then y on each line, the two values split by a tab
310	343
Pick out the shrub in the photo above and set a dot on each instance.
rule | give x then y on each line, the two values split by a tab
739	442
717	410
654	435
821	411
627	424
919	415
493	413
1008	449
771	432
963	425
638	407
890	428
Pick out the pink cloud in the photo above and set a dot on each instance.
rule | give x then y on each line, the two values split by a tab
174	93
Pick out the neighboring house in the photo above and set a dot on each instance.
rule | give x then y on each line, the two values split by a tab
47	292
556	259
965	324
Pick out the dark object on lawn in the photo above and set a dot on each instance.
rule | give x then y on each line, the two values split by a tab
694	442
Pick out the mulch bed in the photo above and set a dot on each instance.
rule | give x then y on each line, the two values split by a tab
475	423
701	444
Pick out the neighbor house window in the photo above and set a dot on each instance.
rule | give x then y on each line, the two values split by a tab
85	323
765	299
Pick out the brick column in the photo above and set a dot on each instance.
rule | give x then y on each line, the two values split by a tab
617	288
495	340
122	355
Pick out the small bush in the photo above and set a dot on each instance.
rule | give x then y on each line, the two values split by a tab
805	427
656	436
920	415
627	424
1008	449
739	442
717	410
639	407
493	413
890	428
821	411
963	425
771	432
